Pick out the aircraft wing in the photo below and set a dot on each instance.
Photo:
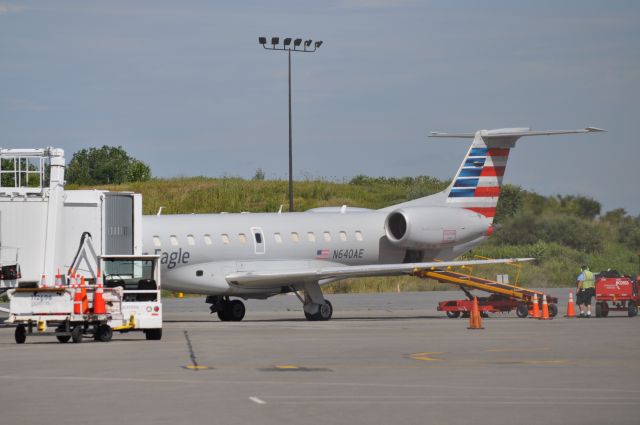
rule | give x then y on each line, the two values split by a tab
288	276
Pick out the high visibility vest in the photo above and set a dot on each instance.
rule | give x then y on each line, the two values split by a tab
589	279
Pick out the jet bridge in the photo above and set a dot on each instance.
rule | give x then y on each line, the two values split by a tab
41	223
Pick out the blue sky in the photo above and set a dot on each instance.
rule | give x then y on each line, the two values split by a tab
185	87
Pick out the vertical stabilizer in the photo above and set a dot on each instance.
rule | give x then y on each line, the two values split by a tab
476	185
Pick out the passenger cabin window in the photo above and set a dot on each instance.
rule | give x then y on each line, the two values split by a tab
225	238
174	240
207	239
295	237
311	236
191	240
242	237
156	241
343	236
359	235
327	236
277	237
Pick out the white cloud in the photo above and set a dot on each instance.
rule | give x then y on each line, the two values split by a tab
7	8
375	4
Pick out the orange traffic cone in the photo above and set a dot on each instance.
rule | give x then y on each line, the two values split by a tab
58	279
545	308
536	307
475	320
571	312
83	292
99	307
77	300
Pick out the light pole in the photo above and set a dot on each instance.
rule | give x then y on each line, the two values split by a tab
286	47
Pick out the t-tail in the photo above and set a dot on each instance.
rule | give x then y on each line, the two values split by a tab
476	186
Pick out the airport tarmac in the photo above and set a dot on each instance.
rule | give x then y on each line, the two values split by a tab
383	359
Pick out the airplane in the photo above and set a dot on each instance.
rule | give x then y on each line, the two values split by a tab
259	255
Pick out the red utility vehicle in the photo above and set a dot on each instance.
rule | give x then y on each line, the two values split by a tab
616	293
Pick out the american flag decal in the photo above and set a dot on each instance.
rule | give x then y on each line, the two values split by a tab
322	254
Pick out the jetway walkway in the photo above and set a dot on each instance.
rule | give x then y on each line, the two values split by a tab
466	282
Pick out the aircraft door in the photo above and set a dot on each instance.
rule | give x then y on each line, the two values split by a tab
258	240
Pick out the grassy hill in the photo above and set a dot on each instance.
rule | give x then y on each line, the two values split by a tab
562	232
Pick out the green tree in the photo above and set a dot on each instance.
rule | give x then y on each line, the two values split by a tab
105	165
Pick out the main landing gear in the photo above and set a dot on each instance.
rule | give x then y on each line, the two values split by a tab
228	310
316	308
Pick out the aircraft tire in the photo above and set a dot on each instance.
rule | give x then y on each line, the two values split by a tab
235	310
223	315
324	312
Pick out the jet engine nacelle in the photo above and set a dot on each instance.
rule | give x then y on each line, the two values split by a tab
431	227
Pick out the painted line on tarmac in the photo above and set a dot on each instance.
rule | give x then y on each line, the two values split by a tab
192	355
316	383
257	400
427	356
517	350
293	368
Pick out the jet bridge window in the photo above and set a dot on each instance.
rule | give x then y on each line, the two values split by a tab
343	236
207	239
156	241
191	240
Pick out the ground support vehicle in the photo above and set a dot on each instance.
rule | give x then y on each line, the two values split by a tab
618	293
50	312
138	278
132	302
491	304
504	297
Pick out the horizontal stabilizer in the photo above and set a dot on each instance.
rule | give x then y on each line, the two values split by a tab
513	132
287	276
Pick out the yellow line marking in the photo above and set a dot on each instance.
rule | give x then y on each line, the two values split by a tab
427	356
515	350
198	367
545	362
287	366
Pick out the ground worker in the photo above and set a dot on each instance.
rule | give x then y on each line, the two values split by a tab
586	290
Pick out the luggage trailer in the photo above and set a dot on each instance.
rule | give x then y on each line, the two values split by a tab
132	296
504	298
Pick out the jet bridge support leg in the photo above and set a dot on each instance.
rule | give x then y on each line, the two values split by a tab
315	306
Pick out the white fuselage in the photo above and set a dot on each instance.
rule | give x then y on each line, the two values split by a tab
199	250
